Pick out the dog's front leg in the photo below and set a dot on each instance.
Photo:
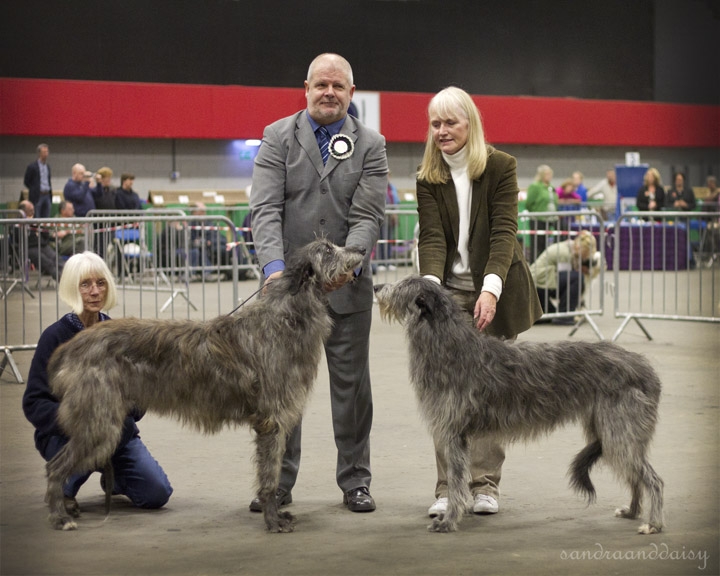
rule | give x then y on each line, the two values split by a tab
270	447
458	471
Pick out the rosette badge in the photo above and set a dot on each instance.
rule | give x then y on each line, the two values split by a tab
341	147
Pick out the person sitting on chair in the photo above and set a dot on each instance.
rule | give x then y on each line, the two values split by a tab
69	238
39	252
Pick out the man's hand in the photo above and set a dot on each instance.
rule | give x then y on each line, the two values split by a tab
270	279
484	310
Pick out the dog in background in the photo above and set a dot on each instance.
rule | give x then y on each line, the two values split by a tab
468	384
256	367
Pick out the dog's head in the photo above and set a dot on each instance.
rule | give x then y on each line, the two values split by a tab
322	263
413	297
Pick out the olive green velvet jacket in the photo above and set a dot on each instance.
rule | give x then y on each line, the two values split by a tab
493	244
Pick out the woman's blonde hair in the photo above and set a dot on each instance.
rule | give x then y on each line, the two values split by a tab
586	244
79	267
453	102
105	171
655	174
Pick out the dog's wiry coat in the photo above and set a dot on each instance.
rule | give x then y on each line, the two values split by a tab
471	384
256	367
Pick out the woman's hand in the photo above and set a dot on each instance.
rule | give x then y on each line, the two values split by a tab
485	310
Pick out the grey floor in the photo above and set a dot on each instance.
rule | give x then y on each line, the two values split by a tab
542	527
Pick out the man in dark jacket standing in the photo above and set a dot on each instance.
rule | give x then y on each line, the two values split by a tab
37	181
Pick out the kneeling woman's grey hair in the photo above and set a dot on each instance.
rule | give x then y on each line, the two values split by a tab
80	267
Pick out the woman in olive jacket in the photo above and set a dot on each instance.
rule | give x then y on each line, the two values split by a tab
467	195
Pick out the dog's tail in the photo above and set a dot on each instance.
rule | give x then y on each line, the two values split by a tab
580	469
108	477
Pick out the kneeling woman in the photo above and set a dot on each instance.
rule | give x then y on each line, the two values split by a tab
87	286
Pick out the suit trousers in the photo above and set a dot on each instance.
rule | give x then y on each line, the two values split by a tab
43	205
347	352
486	456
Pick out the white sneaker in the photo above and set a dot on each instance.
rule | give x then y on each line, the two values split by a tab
485	504
440	507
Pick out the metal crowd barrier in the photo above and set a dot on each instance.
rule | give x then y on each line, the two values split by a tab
666	267
539	231
392	257
167	265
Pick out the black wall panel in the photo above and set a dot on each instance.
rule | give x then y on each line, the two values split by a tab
599	49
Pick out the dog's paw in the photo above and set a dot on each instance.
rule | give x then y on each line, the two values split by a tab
624	512
282	523
649	529
62	522
441	525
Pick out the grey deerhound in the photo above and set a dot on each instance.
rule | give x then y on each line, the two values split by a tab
256	367
471	384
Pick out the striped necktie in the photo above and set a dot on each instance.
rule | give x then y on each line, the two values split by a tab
324	142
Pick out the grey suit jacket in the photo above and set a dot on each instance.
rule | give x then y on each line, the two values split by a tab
295	199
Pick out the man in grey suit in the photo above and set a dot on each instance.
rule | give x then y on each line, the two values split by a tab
321	173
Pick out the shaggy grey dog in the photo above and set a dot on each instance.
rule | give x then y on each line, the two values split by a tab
471	384
256	367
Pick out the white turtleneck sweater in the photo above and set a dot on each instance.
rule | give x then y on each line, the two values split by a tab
461	277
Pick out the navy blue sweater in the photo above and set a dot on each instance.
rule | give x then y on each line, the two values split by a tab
39	404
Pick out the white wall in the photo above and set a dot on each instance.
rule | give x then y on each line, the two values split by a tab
223	165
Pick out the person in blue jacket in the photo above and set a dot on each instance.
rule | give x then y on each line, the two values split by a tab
87	286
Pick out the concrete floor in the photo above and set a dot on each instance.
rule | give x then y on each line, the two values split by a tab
542	527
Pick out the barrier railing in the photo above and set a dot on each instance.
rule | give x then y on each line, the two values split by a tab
155	259
570	289
665	267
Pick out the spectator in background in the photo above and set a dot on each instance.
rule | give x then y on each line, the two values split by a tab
541	197
37	181
605	190
125	197
713	190
105	192
40	253
69	238
79	190
567	195
563	271
712	200
651	197
580	188
679	196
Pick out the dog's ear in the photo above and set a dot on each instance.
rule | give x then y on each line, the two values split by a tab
301	277
425	303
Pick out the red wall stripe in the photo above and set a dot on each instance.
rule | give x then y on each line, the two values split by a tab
43	108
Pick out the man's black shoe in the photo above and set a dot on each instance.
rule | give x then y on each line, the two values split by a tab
359	500
283	499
